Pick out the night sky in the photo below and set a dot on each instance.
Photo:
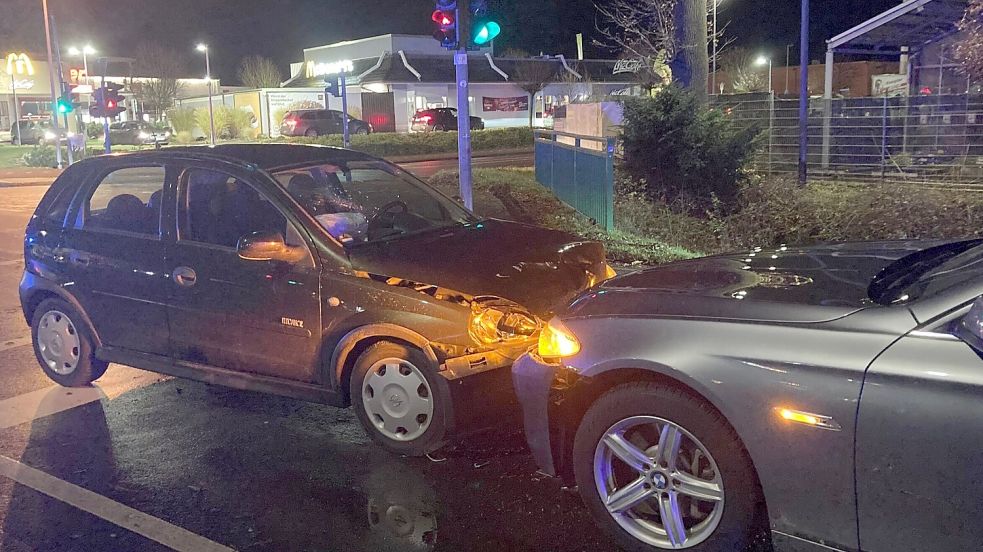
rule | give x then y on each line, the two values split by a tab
280	29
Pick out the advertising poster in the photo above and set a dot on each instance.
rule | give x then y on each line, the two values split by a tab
279	103
513	104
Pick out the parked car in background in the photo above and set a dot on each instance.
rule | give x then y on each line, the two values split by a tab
834	391
320	122
137	133
318	273
441	119
35	133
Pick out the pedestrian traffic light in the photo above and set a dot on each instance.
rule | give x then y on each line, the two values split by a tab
445	17
64	105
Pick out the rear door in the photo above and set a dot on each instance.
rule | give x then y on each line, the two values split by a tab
115	251
260	317
920	444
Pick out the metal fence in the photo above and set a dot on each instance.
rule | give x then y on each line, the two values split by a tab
929	140
580	171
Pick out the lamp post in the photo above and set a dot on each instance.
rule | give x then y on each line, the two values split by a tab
762	60
53	76
788	61
208	76
713	75
85	52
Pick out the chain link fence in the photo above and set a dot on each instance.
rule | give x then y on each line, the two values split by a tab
926	140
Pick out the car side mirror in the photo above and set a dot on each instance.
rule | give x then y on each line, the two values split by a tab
268	246
970	327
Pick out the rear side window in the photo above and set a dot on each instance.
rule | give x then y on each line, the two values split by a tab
127	200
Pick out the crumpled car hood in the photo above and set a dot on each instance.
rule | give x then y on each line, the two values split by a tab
535	267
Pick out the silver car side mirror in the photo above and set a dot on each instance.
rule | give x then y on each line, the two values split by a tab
970	328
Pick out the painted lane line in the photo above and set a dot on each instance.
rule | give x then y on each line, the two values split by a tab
14	343
155	529
45	402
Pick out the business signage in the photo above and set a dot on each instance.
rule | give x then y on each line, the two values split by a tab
513	104
20	65
889	85
627	66
313	69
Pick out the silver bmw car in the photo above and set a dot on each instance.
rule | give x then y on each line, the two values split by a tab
831	396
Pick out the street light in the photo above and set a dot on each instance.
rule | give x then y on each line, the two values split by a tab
762	60
208	75
85	52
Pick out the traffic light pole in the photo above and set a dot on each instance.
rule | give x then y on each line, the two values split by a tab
61	85
346	137
107	143
464	102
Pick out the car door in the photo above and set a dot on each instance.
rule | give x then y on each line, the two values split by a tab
115	252
920	444
261	317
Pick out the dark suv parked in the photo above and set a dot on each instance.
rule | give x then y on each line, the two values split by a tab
440	119
318	273
319	122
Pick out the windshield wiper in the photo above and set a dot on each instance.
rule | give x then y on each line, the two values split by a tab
887	287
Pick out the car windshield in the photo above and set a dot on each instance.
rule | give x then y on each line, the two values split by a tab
368	201
928	272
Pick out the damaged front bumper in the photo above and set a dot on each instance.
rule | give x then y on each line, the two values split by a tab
533	382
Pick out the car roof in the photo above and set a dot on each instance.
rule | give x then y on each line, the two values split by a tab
265	156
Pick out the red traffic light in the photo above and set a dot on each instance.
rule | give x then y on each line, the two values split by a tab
442	18
110	104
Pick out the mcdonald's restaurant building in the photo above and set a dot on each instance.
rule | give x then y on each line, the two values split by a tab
30	78
391	77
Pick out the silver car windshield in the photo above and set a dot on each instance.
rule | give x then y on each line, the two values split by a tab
367	201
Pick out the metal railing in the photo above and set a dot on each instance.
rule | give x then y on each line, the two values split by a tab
580	171
933	140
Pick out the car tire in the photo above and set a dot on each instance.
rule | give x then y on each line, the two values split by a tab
439	128
404	410
729	528
63	345
311	133
361	131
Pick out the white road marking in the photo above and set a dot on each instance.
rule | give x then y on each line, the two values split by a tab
155	529
14	262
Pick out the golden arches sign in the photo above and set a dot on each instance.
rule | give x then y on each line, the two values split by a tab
19	64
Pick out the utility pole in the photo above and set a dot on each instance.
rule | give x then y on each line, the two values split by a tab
464	102
51	76
788	62
343	84
56	46
804	95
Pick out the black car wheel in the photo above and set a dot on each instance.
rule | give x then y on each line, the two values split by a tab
362	131
395	392
311	133
439	128
62	345
661	470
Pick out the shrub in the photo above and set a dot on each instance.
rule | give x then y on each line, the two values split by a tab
182	119
680	150
94	129
388	144
231	123
203	121
40	156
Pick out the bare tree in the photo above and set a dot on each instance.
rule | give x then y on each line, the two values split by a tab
969	49
160	68
532	76
745	75
657	32
259	72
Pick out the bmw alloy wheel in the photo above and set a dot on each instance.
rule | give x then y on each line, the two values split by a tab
397	399
659	482
58	342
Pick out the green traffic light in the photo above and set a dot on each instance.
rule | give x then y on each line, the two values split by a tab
64	106
486	32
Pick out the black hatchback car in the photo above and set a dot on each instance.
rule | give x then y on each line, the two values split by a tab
311	272
441	119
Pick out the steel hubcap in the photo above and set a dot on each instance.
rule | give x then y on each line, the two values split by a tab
659	482
397	399
58	342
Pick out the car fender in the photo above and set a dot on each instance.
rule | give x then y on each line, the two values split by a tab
35	285
348	343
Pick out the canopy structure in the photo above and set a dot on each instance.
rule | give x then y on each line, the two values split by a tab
903	29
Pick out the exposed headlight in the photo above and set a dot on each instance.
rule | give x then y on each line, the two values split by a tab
496	321
557	341
143	135
48	135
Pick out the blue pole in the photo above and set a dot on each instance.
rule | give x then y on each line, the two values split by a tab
804	94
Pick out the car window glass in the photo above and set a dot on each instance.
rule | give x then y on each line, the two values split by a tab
364	201
218	209
116	126
127	200
307	116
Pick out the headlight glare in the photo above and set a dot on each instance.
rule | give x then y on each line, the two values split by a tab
557	341
496	321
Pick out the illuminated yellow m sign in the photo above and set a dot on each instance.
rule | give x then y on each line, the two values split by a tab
19	64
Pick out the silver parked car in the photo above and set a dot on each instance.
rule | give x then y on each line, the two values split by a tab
831	394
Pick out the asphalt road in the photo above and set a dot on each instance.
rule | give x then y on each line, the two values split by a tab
143	462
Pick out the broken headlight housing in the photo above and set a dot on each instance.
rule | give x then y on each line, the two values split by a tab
499	321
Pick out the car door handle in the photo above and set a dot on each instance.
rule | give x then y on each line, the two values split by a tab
185	276
82	260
